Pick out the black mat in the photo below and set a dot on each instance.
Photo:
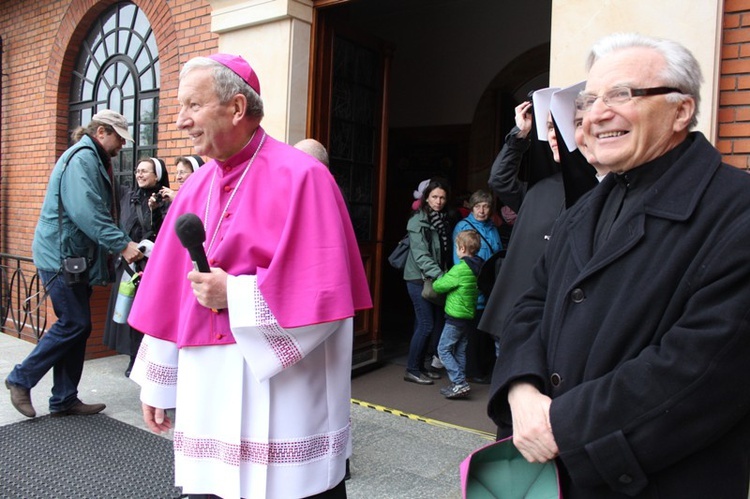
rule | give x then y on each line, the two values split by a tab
84	457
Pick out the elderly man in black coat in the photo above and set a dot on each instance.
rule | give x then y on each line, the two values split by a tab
626	361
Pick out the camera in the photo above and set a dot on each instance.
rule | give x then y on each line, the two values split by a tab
157	199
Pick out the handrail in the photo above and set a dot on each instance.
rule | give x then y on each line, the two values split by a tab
21	311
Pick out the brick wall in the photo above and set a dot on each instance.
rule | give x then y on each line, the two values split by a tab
40	44
734	99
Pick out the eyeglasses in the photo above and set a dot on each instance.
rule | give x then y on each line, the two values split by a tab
620	95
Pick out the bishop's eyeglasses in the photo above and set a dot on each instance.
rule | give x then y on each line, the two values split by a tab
618	96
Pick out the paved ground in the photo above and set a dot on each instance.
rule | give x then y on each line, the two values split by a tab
403	447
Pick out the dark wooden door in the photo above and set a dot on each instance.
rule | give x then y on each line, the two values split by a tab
348	115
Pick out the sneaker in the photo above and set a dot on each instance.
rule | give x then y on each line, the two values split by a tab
456	390
436	362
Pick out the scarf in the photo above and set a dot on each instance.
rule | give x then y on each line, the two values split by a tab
439	221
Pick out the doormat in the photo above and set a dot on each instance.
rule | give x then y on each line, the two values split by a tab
84	457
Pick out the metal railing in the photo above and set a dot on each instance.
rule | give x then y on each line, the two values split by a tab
23	304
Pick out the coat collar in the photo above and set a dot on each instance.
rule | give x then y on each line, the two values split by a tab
674	196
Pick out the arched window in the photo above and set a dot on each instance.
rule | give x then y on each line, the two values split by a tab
118	69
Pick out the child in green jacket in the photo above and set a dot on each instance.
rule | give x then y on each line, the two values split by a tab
460	284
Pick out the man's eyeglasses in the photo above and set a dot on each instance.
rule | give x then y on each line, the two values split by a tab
620	95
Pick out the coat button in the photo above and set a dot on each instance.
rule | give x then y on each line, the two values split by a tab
219	336
555	379
625	479
577	295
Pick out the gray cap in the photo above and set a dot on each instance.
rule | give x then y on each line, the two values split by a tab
116	121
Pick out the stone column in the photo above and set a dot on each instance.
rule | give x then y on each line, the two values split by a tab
274	37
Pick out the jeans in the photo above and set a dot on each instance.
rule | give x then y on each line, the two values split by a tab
63	347
424	313
452	350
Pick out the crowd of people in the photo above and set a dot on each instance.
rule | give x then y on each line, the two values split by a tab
614	336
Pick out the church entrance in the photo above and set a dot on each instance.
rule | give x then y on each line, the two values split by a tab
404	90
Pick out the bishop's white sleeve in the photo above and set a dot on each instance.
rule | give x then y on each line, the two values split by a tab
155	370
267	347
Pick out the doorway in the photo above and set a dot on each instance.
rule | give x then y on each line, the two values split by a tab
434	83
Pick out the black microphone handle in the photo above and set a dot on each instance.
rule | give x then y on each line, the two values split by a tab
198	256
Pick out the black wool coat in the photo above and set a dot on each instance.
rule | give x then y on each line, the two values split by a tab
644	346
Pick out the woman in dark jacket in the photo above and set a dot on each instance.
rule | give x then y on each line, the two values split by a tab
430	248
142	212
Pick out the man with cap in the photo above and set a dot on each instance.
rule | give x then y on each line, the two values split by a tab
626	359
77	220
255	355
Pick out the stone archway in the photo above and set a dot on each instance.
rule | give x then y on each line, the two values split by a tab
493	116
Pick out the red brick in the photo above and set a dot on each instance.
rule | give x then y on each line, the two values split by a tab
727	115
734	130
739	161
731	21
741	146
735	66
740	35
724	146
734	98
742	113
730	51
736	5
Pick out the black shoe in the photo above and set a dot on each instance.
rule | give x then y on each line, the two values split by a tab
20	397
432	374
130	366
480	380
80	409
420	380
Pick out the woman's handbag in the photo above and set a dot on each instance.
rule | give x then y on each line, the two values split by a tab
498	470
397	258
429	293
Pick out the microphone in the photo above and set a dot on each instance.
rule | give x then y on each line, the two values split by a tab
191	234
190	231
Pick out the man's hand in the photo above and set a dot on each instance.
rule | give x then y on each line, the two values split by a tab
210	289
156	419
523	119
532	432
131	253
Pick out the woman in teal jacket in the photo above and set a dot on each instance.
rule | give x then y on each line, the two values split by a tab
430	249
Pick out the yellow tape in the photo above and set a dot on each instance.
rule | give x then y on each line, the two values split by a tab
414	417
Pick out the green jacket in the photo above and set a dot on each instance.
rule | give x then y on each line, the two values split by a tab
424	249
460	283
88	228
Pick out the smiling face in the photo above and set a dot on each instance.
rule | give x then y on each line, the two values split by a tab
207	121
625	136
145	175
183	172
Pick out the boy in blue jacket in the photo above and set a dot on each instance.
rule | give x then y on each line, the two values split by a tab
460	284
